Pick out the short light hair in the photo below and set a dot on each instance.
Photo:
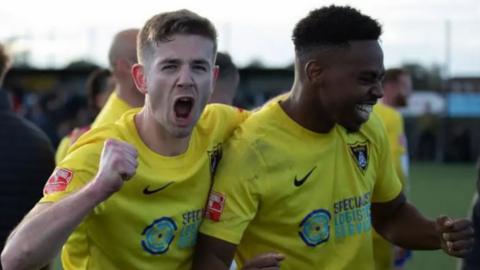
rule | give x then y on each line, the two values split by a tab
161	28
392	75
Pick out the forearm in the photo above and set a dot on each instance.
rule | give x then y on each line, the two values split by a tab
408	228
211	253
209	261
38	238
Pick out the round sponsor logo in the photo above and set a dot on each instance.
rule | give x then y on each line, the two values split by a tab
159	235
315	227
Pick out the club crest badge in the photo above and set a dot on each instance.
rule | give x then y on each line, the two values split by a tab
360	155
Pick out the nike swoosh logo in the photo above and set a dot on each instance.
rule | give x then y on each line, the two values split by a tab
300	182
148	191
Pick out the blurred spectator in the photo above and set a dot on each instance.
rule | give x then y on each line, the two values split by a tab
472	260
428	124
99	86
227	81
459	145
26	159
42	114
122	55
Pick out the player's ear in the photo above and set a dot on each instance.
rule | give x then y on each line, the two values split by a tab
314	71
138	74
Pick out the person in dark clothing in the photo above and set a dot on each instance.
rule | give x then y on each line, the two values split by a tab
26	155
472	260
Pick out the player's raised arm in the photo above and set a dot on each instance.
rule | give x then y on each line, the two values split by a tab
39	237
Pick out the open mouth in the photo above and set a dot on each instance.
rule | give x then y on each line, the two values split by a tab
366	108
183	107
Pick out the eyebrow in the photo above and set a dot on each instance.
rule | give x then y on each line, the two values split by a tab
170	61
373	74
200	62
177	61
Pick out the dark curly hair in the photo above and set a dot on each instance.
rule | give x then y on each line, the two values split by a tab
334	26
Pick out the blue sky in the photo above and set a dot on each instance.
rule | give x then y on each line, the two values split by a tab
57	32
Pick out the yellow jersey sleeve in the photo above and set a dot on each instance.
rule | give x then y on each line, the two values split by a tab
219	121
387	184
62	149
235	195
78	167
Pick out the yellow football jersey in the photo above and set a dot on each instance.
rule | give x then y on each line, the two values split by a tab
382	249
62	149
394	125
112	111
281	187
152	222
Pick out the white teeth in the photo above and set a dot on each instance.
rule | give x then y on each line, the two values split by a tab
365	107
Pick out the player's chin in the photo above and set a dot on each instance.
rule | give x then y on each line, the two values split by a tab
182	132
354	124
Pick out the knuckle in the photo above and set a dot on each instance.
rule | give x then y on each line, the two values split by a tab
117	163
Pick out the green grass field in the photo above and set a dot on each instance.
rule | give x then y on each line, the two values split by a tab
437	189
440	189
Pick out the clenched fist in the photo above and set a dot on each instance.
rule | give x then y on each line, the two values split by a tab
456	235
118	163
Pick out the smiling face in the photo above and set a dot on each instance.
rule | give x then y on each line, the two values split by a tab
178	81
351	84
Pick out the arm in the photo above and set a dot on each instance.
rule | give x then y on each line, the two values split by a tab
39	237
215	254
402	224
212	253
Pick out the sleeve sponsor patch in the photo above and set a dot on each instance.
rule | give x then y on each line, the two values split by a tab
58	181
216	202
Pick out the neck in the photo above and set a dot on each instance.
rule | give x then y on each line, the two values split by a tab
130	94
157	138
301	106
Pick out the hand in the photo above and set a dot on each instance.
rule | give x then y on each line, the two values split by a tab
265	261
118	163
456	236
